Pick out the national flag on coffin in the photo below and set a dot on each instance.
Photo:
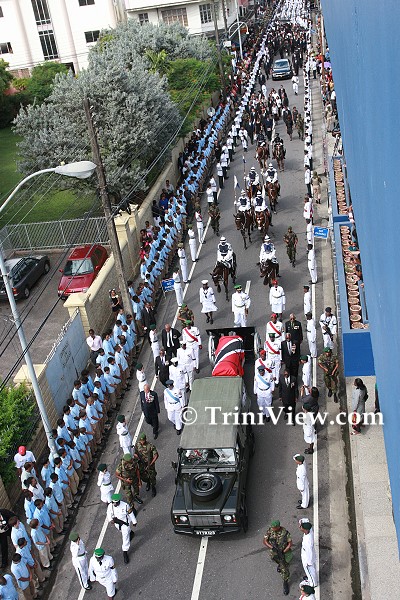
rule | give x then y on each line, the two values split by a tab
235	182
229	357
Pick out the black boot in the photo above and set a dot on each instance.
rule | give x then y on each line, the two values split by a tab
138	500
126	557
153	491
148	486
285	588
131	535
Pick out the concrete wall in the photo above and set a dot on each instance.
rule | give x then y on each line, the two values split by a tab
364	44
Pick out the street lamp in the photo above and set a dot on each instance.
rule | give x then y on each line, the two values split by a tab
81	170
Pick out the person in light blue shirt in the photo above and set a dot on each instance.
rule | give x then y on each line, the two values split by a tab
101	359
29	506
78	395
21	573
18	530
7	588
62	430
108	344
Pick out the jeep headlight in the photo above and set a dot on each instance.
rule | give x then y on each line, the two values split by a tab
183	519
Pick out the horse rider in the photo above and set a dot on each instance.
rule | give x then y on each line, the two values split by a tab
268	252
259	203
243	202
278	142
272	176
252	180
225	254
260	139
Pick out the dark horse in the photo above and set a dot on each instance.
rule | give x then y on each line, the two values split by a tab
279	155
268	271
272	191
244	221
263	221
221	274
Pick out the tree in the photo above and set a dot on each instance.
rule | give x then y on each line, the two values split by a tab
158	60
5	76
41	82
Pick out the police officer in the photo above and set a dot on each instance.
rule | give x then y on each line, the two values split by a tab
191	335
183	262
272	174
121	516
178	286
192	243
290	239
102	569
79	559
225	252
311	335
187	362
243	202
259	203
279	542
128	473
174	403
329	363
240	306
147	454
263	388
274	354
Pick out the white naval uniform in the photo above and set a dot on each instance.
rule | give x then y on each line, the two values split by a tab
178	288
263	363
104	572
192	244
240	302
200	226
122	512
332	324
312	265
312	337
310	233
307	302
79	560
105	485
207	300
183	264
308	210
308	558
187	336
154	343
308	429
277	329
173	403
125	438
142	379
187	362
303	485
274	355
178	375
263	388
277	299
306	375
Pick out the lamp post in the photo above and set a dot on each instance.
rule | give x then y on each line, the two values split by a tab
238	30
81	170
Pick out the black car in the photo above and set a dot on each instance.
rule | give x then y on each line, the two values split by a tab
282	69
23	274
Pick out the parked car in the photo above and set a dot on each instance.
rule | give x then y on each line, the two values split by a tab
81	269
282	69
24	273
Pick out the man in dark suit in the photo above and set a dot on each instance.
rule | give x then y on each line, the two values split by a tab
150	408
170	340
161	367
295	329
288	393
291	355
148	317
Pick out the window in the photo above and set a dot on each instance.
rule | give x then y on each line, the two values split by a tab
92	36
6	48
143	18
41	12
85	2
206	13
173	15
49	45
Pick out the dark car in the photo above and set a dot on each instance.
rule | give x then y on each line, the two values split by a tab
81	269
23	274
282	69
213	461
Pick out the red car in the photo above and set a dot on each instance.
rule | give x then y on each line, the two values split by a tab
81	269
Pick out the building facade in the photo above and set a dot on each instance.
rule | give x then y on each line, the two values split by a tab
35	31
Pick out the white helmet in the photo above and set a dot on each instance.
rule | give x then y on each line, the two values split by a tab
252	169
243	193
259	193
270	165
267	238
223	239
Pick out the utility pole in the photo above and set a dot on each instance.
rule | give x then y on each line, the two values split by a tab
105	199
221	68
225	19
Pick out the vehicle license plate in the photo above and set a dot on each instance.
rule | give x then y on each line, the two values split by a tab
205	532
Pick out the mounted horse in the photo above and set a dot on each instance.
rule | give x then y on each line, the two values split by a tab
272	191
279	155
263	221
221	274
262	154
268	270
244	221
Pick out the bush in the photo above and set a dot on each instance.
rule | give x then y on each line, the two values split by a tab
18	421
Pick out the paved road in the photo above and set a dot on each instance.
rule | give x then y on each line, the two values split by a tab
162	563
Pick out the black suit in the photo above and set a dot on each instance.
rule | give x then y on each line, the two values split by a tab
288	394
296	331
151	409
170	351
5	533
162	369
148	318
290	358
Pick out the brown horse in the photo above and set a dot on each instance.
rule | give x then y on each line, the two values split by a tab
272	191
221	275
263	221
279	155
268	270
262	154
244	221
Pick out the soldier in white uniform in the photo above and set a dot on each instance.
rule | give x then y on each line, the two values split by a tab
192	243
307	591
263	388
307	208
174	404
140	376
177	286
308	555
276	327
178	373
274	354
307	301
271	174
328	323
306	374
183	262
125	438
79	559
102	569
309	232
312	263
119	513
187	361
277	299
154	341
302	481
262	361
191	335
311	335
199	223
207	301
240	306
104	482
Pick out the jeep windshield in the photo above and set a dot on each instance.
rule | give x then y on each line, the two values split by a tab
212	457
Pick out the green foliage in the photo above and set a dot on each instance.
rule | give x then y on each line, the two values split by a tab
5	76
40	85
19	83
158	60
18	420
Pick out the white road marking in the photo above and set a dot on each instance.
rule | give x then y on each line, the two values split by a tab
315	467
199	569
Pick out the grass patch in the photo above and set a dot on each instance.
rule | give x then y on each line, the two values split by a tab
53	206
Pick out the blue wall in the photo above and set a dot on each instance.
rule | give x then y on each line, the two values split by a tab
364	43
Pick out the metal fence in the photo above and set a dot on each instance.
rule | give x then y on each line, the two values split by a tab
53	234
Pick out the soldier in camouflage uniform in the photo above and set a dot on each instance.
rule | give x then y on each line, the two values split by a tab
185	314
290	239
128	473
279	542
215	215
329	363
147	455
